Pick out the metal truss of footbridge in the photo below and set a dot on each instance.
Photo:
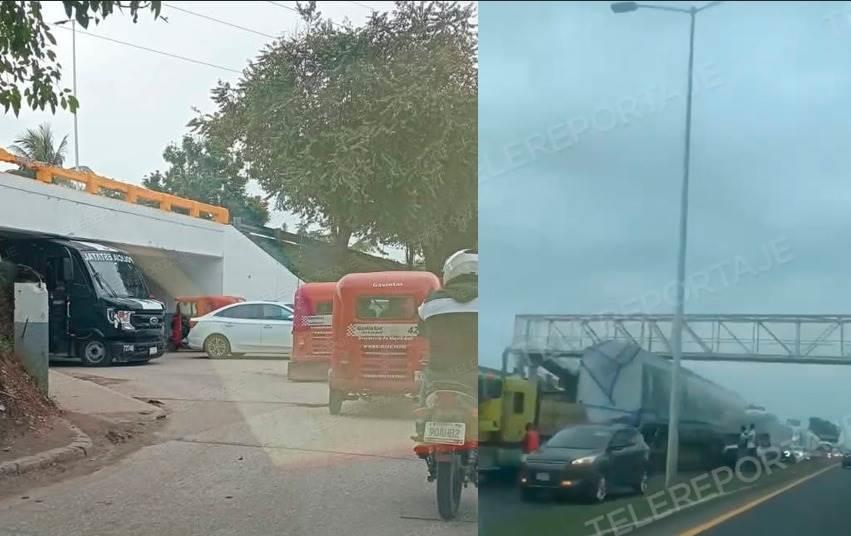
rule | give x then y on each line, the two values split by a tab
784	338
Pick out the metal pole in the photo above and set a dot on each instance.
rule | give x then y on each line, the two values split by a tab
676	336
74	74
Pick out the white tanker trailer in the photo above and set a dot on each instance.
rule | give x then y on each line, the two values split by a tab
619	381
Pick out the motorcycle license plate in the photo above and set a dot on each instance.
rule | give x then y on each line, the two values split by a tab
450	433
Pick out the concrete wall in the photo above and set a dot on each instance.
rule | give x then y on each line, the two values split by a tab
252	273
31	330
29	205
179	255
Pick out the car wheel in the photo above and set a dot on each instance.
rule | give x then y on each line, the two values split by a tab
600	490
217	346
94	353
641	487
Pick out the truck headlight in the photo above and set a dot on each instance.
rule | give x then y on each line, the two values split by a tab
586	460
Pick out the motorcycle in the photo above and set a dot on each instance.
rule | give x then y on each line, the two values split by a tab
447	441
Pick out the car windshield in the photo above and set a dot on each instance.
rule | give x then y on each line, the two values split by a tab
118	278
581	437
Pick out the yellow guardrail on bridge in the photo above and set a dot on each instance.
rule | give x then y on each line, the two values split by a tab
130	192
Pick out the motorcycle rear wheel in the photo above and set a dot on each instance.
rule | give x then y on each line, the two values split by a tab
449	484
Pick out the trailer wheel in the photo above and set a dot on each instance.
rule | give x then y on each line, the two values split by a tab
94	353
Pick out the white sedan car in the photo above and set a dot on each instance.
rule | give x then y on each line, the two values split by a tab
253	327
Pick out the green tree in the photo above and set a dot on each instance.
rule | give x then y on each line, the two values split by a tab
367	132
201	170
427	129
29	70
40	144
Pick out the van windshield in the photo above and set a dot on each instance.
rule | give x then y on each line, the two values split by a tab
118	278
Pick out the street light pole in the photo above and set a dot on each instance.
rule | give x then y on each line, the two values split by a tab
74	74
677	335
672	457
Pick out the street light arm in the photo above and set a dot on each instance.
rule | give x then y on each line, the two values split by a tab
707	6
665	8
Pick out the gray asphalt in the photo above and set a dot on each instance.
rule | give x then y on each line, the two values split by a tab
817	506
246	452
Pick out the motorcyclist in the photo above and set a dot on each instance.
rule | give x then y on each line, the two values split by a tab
449	321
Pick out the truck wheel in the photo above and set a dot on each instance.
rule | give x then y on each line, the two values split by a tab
335	401
217	346
94	353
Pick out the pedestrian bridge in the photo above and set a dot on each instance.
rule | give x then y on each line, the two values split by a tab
184	247
787	338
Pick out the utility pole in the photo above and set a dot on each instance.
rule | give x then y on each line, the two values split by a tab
74	74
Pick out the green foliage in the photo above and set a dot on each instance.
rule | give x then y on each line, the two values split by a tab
366	132
39	144
29	70
201	170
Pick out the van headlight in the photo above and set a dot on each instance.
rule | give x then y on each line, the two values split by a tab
120	319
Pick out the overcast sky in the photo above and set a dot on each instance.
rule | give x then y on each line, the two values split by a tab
580	146
135	102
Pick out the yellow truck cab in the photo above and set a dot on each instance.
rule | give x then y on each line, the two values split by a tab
507	403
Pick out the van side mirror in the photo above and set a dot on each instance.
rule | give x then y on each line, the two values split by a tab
67	269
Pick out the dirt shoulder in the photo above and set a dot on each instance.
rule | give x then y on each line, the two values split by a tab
23	439
111	440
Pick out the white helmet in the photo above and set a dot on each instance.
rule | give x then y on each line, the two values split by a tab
462	262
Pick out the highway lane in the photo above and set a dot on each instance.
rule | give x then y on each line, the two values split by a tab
246	452
820	505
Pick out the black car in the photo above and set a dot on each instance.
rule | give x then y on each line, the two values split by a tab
846	458
588	460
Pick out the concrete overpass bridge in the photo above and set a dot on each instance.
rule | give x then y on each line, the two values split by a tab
183	247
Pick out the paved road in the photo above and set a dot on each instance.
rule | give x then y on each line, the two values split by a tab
246	452
818	506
